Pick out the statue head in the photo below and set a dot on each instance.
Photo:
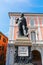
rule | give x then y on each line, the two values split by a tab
22	15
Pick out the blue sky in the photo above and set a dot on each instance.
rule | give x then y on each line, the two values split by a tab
33	6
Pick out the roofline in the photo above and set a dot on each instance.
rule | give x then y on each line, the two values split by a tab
25	13
4	35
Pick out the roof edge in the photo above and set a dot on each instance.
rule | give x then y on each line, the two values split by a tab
4	35
25	13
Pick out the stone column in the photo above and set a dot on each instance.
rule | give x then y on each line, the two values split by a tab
36	35
11	56
42	56
7	56
10	48
11	29
39	31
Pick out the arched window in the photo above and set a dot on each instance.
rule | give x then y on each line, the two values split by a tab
32	22
33	36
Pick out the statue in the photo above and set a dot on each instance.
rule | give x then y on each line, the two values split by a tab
23	30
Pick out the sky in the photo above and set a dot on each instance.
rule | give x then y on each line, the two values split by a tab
32	6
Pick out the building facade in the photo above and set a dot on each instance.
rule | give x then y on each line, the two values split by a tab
3	48
35	28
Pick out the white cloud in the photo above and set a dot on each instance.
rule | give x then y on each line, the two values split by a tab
15	1
6	33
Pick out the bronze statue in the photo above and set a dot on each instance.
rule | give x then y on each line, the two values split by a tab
23	30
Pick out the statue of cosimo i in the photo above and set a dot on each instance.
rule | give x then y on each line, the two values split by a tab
22	25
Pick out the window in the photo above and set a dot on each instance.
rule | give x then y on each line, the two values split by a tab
0	36
1	47
33	36
2	57
4	40
32	22
42	21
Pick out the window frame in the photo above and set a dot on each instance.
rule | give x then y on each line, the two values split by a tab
34	35
0	37
32	20
4	40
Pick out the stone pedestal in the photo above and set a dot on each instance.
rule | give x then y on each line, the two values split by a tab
23	41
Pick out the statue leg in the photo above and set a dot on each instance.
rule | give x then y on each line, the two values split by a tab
21	30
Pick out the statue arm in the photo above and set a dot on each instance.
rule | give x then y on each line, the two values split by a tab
17	20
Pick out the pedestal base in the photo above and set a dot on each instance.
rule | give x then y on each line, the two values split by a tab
23	41
23	64
23	45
